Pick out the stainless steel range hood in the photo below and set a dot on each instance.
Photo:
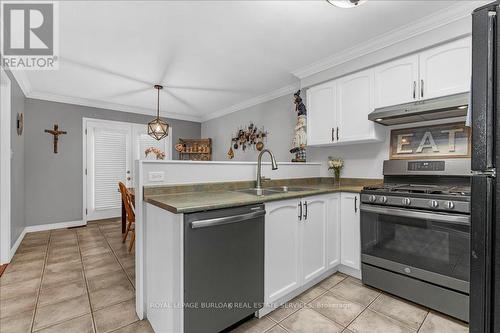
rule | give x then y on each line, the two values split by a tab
431	109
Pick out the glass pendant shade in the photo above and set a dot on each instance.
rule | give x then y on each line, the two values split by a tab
158	128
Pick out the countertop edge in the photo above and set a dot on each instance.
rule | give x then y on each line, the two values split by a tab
251	200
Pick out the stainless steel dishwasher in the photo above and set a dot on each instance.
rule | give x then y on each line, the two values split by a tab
223	267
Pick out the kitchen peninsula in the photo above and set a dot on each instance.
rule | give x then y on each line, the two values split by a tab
266	248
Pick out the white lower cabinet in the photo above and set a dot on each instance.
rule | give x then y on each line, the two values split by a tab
282	249
333	231
313	225
350	233
304	238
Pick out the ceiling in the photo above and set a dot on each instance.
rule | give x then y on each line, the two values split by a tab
209	55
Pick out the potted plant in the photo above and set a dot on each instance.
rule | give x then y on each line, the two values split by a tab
335	164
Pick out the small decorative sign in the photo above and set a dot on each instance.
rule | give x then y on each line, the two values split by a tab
439	141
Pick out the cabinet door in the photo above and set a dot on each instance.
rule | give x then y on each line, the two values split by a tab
314	236
333	231
350	231
354	103
320	113
282	249
396	82
446	69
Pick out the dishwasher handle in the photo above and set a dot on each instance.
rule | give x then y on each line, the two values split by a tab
226	220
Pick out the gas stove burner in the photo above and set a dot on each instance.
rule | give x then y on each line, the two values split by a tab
421	188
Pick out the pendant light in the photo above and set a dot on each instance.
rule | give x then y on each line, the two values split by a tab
158	128
346	3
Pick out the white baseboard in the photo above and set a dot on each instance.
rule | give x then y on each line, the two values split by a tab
14	247
52	226
350	271
43	227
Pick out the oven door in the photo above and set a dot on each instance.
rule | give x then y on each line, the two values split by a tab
429	246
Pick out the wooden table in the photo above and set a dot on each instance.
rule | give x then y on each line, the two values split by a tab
124	212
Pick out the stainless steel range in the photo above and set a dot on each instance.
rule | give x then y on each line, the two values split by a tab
415	233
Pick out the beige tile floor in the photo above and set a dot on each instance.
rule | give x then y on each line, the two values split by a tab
82	280
343	304
71	280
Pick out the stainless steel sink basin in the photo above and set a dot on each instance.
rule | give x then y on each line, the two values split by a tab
285	189
257	191
274	190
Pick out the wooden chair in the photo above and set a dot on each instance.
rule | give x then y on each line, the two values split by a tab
129	209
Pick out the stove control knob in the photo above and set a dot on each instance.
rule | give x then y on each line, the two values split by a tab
449	205
433	204
372	198
406	201
383	199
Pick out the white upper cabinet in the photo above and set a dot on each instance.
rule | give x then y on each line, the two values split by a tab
446	69
282	249
354	103
338	111
315	211
320	113
396	82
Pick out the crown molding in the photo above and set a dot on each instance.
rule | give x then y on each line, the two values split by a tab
107	105
411	30
252	102
22	81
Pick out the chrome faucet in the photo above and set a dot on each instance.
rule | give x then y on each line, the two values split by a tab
274	166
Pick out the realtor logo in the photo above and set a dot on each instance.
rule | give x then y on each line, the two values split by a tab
29	35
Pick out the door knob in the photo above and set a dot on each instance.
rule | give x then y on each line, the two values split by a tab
128	178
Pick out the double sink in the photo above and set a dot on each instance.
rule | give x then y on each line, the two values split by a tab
274	190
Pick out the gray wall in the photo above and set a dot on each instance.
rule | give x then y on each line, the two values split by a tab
361	161
54	181
277	117
17	163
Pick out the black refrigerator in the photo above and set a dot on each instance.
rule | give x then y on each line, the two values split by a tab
485	231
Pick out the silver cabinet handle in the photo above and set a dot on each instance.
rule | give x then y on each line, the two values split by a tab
422	88
414	89
305	213
337	133
226	220
333	134
355	204
445	218
300	210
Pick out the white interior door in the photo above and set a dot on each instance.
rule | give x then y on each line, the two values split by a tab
109	161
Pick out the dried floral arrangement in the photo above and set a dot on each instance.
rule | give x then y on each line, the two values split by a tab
160	155
335	164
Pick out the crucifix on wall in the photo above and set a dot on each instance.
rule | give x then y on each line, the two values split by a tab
56	132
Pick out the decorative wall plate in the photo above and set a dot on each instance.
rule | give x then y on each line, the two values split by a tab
20	123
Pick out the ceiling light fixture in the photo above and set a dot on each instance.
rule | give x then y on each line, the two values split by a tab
158	128
346	3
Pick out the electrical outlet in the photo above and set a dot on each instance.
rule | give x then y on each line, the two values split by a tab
157	176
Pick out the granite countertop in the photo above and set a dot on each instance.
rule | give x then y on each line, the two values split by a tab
201	199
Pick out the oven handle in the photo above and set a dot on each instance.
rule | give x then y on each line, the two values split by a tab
445	218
